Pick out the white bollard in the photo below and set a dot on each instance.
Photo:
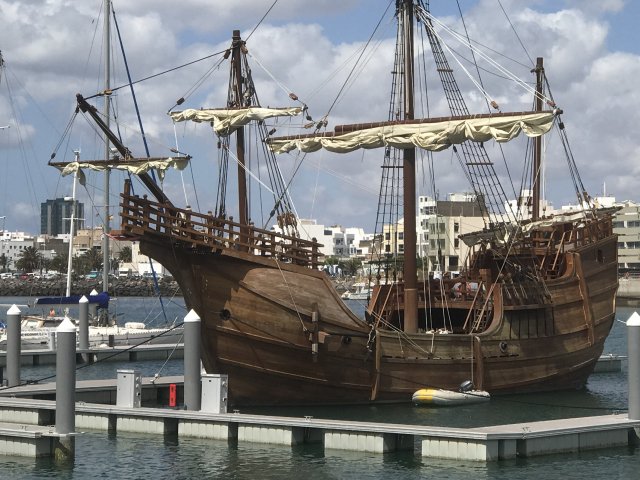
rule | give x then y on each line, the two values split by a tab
66	377
14	345
633	352
83	323
64	444
192	381
93	308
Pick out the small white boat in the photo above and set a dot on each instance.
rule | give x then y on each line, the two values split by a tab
360	291
440	397
36	332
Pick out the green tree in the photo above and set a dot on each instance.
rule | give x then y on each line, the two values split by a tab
350	266
114	264
59	263
125	255
28	260
91	260
45	264
4	262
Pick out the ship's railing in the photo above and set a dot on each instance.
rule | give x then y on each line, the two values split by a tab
439	291
143	216
550	242
566	235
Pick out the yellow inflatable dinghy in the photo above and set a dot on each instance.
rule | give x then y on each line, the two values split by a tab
439	397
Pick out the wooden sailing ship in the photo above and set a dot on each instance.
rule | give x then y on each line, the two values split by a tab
536	296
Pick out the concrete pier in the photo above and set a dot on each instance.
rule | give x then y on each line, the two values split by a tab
482	444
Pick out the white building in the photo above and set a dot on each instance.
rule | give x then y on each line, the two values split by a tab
12	244
141	264
627	225
522	207
438	226
337	241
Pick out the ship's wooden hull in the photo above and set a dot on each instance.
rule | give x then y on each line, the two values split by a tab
258	327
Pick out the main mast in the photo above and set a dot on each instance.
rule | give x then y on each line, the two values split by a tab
107	111
409	179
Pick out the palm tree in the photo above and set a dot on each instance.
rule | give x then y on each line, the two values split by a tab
59	263
114	265
125	255
350	266
4	262
94	257
29	260
91	260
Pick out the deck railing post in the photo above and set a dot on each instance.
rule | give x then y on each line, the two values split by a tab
273	245
314	253
210	230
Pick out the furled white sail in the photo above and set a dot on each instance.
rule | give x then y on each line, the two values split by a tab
434	136
226	120
135	166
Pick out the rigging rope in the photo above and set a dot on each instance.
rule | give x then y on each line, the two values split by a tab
480	53
339	94
262	19
515	32
164	72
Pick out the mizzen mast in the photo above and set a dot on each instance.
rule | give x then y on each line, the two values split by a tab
536	179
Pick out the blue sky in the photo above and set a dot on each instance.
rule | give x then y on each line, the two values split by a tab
53	50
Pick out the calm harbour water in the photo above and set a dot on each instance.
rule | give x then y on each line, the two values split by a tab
101	455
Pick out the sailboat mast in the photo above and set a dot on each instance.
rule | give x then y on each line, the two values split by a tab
236	65
71	226
107	111
409	181
537	145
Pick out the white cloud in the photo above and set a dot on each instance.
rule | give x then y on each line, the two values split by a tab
599	6
54	48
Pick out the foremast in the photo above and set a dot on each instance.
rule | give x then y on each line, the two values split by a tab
242	109
236	99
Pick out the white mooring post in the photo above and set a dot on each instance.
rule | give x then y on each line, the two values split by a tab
14	344
192	381
83	327
93	307
65	390
633	351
